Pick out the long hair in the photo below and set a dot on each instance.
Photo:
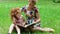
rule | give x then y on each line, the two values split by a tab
14	12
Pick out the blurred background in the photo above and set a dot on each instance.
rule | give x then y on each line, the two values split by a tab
49	11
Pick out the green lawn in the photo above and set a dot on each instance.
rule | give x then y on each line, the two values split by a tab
49	14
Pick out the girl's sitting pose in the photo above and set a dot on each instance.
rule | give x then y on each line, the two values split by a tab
17	20
32	16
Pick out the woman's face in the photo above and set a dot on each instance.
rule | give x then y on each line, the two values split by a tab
31	4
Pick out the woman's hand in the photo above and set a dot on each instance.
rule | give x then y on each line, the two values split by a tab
38	20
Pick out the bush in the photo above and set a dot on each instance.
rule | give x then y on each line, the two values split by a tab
57	1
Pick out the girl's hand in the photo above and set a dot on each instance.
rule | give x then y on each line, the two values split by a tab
24	23
15	24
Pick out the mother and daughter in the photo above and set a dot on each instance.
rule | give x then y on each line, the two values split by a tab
32	21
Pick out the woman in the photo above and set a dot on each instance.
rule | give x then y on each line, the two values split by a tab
32	16
17	20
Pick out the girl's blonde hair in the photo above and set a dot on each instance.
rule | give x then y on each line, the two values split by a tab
13	11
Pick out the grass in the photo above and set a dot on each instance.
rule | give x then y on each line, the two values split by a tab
49	14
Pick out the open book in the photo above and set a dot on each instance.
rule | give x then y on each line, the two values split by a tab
29	24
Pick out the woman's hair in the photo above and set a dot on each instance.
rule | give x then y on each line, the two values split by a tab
33	1
14	12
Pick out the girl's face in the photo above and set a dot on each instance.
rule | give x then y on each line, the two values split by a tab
18	13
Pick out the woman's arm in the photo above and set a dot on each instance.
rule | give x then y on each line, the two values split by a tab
34	22
38	17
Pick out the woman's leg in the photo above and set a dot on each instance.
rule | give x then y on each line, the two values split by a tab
37	27
11	29
18	29
44	29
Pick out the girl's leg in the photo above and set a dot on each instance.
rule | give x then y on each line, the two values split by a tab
18	29
11	29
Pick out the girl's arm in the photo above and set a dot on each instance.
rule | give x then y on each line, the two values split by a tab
24	21
14	22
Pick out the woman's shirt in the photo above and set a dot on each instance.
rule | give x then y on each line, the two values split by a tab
32	12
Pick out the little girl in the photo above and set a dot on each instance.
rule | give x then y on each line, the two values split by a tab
17	20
